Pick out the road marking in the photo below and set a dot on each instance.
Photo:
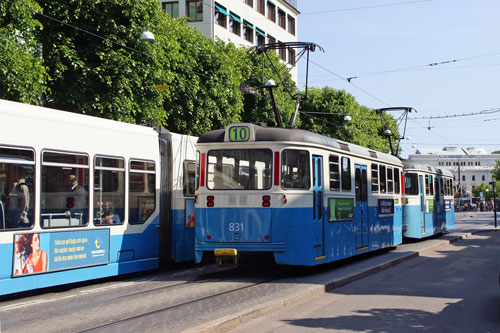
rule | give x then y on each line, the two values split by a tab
21	305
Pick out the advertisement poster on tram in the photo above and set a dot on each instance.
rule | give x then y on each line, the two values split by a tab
51	251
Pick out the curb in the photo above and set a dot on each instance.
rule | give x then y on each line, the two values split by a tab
229	322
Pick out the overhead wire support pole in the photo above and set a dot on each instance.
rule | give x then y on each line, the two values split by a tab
387	131
270	85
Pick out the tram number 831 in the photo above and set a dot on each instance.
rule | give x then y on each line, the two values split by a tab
235	227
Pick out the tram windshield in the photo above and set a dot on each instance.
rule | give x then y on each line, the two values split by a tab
411	184
239	169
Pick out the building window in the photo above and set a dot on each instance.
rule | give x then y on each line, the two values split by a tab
282	51
282	19
291	25
271	11
194	10
171	7
271	39
483	177
249	2
260	37
221	15
234	24
261	6
463	177
248	31
291	56
473	178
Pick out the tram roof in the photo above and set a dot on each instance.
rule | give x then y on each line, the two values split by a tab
276	134
423	167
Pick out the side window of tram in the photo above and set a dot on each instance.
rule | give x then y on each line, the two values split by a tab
17	188
390	181
189	178
295	169
64	198
411	184
334	173
374	178
383	175
397	181
109	190
346	174
142	191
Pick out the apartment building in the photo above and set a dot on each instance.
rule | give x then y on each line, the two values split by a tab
243	22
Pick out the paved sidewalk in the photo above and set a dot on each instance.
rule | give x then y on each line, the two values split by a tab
307	287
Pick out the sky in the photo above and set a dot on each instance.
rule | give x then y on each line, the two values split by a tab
389	46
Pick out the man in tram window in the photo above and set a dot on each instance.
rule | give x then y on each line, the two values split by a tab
76	203
18	203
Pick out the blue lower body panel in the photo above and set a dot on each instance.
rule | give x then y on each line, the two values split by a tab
295	239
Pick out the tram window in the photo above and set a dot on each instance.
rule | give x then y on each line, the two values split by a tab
374	178
427	185
390	181
239	169
411	184
295	169
441	187
334	173
17	181
109	191
64	198
346	174
141	204
397	182
188	178
431	187
383	177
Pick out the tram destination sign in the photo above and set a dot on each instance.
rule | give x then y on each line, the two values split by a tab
385	207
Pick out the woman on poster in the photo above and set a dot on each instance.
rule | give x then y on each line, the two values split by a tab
37	260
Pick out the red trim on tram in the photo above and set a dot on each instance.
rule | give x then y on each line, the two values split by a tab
202	172
276	168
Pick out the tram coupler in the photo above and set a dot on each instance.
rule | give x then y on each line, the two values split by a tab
226	257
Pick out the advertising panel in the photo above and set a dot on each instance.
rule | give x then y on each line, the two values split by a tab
385	207
340	209
51	251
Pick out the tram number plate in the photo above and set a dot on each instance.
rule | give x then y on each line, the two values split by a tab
236	227
239	133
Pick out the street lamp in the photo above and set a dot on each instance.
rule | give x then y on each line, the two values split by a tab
147	36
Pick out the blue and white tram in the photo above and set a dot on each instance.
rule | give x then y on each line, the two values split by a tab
84	198
428	207
305	198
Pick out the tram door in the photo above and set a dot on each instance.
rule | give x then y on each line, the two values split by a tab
318	224
437	205
361	210
422	203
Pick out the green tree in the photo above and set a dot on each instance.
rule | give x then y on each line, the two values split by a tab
324	113
22	75
496	170
487	190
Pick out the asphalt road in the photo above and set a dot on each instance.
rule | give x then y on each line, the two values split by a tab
204	298
452	289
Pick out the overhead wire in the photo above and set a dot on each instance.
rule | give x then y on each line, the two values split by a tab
366	7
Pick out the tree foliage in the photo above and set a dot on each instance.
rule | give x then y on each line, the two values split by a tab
96	64
496	170
22	75
324	113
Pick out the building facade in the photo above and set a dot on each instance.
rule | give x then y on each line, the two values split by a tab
243	22
471	166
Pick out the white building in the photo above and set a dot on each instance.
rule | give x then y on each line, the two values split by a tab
243	22
471	166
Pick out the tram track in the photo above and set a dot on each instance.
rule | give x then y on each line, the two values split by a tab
171	307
